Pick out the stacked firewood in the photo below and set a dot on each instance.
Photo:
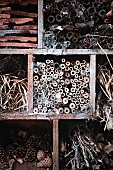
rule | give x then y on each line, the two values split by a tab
18	23
22	146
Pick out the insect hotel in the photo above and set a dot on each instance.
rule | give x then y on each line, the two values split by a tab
56	85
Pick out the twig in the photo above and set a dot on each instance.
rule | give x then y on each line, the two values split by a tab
106	55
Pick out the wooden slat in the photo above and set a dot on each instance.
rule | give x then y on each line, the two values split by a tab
55	145
13	44
19	38
40	24
3	27
4	16
92	81
21	13
5	9
3	3
5	32
57	52
30	83
26	2
26	27
22	2
16	20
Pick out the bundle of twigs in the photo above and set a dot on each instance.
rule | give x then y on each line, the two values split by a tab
87	149
105	104
84	150
13	93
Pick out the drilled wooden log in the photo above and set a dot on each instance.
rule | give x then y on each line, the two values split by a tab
19	38
12	44
26	27
4	16
16	20
21	13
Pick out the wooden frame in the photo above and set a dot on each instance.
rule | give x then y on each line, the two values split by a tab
40	51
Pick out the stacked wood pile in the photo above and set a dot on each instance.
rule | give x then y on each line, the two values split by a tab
18	23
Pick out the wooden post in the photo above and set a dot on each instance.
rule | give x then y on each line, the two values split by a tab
92	81
30	83
55	145
40	23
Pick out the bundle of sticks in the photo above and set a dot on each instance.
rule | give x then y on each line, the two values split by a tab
18	23
84	151
105	96
13	93
13	84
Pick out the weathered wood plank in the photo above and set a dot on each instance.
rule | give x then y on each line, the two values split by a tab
5	32
4	27
92	81
5	9
16	20
19	38
13	44
23	2
30	83
26	2
21	13
4	16
26	27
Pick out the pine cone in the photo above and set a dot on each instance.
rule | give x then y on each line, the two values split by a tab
3	164
30	154
2	153
19	152
31	142
40	155
46	162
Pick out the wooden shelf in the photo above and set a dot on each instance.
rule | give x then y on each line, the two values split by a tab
29	116
57	51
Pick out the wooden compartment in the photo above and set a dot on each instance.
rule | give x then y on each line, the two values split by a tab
18	24
77	24
14	83
84	145
104	89
26	143
61	84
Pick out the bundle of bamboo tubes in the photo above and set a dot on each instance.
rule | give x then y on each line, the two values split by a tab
61	87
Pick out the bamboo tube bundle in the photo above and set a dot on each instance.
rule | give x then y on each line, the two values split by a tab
63	86
78	24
